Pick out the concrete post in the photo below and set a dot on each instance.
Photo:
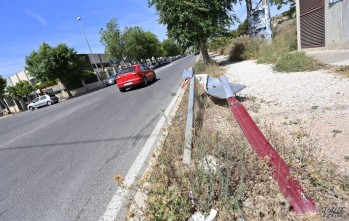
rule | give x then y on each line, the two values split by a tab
298	18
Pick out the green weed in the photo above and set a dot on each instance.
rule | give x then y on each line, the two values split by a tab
295	62
284	41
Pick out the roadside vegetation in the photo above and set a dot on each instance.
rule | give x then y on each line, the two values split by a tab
226	173
341	70
282	52
2	94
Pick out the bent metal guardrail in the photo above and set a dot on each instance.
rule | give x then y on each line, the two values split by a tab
289	186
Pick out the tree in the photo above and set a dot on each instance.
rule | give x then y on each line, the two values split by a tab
139	44
111	39
280	3
45	84
152	45
20	90
193	22
242	28
171	48
2	93
60	62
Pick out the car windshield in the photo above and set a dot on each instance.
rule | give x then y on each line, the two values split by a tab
126	70
111	77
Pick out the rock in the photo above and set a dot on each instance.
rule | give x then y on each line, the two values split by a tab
209	163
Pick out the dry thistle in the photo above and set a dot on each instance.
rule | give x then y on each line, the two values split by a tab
119	178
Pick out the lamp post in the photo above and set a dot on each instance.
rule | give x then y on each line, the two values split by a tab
88	44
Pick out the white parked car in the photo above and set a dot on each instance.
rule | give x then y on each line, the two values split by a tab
110	81
45	100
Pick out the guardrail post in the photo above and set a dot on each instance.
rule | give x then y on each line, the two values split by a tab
189	125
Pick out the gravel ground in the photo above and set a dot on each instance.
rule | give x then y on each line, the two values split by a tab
315	102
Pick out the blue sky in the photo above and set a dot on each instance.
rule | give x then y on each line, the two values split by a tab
26	24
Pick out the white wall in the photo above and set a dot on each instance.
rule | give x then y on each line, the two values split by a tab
337	24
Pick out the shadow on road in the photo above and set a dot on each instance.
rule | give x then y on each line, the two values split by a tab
143	86
73	143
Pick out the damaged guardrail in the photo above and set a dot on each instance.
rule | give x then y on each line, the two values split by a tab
188	75
221	88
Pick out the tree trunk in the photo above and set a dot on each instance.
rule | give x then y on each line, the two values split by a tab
29	98
22	104
204	53
2	100
67	89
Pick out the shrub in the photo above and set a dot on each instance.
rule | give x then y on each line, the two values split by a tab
295	62
243	48
284	41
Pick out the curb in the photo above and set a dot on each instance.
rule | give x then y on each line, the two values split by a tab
140	197
151	149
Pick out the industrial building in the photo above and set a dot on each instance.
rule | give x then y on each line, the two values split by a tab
322	24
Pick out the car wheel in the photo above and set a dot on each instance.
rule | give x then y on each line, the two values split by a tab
122	89
49	103
155	77
31	108
145	81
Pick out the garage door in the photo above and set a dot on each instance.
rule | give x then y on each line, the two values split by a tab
312	20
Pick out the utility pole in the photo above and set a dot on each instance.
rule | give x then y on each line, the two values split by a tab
93	57
259	22
248	10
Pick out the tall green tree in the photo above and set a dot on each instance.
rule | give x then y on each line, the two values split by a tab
170	47
152	45
193	22
60	62
111	39
139	44
20	90
2	93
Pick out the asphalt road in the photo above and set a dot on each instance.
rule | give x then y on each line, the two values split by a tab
58	162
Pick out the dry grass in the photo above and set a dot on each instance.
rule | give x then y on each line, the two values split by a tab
213	69
284	41
243	48
341	70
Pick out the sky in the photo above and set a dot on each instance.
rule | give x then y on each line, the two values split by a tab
26	24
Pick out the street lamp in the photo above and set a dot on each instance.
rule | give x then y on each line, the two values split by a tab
88	44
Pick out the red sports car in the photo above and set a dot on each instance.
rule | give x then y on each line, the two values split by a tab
134	75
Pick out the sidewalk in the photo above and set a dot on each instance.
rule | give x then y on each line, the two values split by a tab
332	57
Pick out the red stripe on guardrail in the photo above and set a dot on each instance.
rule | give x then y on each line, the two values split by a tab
289	187
185	82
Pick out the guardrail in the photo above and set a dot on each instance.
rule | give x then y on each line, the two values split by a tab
189	74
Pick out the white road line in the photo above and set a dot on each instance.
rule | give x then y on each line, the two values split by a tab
118	199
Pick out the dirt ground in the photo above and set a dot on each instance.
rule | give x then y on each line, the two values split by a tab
312	104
